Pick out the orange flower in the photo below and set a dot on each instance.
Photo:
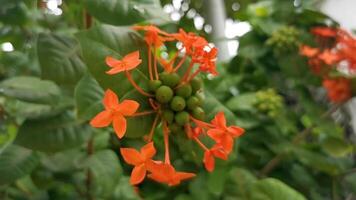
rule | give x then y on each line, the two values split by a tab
324	31
152	35
209	157
222	134
129	62
141	160
207	62
114	113
329	57
308	51
191	42
165	173
339	90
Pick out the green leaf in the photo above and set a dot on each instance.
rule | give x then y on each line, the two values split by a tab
59	59
53	134
124	190
216	181
273	189
8	132
239	182
106	170
336	147
242	102
63	161
16	162
30	89
105	40
88	96
127	12
214	106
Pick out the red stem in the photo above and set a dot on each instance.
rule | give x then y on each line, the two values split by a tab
166	143
149	62
201	144
155	63
143	113
138	88
180	63
152	131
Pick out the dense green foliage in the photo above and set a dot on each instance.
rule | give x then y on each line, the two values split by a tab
54	80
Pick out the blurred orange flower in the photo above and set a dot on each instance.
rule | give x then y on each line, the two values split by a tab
165	173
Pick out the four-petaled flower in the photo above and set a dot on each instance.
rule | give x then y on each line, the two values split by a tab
114	113
141	160
128	62
222	134
209	156
165	173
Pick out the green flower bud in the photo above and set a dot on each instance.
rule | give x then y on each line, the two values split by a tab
198	113
169	79
182	118
168	116
184	91
153	85
177	103
196	84
175	128
164	94
193	102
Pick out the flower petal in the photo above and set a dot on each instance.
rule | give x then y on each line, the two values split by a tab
138	174
112	62
235	131
102	119
116	70
227	142
132	60
128	107
219	120
131	156
209	161
148	151
119	124
215	134
110	99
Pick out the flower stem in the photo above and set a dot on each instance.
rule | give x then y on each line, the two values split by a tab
180	63
149	62
143	113
200	144
138	88
166	143
155	63
152	131
194	75
187	73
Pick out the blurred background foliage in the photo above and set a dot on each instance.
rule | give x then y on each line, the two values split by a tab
297	145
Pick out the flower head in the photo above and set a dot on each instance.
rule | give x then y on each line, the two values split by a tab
223	134
339	90
114	113
128	62
165	173
209	156
140	160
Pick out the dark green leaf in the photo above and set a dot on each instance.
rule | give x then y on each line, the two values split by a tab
16	162
30	89
53	134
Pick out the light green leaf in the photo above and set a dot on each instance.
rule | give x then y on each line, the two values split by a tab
16	162
273	189
59	59
336	147
127	12
106	170
88	96
30	89
105	40
214	106
53	134
242	102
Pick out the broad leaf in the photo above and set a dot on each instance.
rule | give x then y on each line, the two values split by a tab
273	189
336	147
59	59
127	12
106	170
53	134
242	102
30	89
16	162
105	40
88	96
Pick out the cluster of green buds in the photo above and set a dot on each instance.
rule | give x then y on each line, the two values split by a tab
284	39
268	102
178	100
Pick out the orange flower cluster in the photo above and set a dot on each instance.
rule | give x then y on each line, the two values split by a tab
339	89
337	49
335	46
202	58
